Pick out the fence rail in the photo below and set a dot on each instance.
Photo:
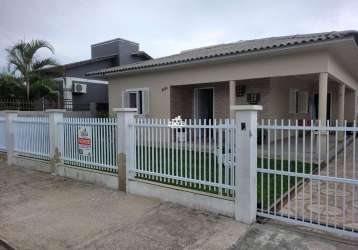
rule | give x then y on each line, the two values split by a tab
310	176
31	137
103	155
197	155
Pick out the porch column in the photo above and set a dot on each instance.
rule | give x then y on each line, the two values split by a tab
341	100
232	97
322	100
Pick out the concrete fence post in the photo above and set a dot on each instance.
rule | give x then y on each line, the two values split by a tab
11	115
125	140
246	162
55	116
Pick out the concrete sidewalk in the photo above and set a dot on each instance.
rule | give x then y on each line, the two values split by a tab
40	211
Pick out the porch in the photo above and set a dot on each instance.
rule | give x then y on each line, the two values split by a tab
295	97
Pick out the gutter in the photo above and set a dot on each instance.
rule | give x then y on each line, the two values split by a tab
218	59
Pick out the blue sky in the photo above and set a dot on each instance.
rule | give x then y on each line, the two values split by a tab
164	27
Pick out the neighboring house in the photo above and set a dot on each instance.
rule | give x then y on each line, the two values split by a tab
294	77
81	92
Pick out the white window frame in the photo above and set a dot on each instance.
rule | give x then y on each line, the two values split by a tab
300	103
144	91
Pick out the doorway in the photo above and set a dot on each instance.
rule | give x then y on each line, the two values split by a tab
204	103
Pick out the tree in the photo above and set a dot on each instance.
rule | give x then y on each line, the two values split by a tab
11	86
23	59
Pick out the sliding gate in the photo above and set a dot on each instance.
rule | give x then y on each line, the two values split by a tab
307	175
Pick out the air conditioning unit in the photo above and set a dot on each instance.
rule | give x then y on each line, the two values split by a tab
79	88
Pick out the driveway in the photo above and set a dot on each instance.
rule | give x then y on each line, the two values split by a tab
277	237
329	202
40	211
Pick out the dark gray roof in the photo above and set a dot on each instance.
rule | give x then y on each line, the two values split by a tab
88	61
228	49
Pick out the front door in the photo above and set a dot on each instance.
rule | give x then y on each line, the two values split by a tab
316	105
204	103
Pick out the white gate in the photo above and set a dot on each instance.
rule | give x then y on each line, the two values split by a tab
307	175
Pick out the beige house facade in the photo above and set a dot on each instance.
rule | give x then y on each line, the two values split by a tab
310	77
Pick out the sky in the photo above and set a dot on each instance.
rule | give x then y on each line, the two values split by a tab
164	27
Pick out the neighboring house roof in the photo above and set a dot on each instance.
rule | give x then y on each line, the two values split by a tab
142	54
229	49
89	61
57	69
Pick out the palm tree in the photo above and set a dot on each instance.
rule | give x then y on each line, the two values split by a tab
23	59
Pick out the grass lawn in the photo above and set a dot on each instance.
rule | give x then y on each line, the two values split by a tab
268	183
205	166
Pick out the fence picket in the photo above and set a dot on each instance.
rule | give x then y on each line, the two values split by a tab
322	179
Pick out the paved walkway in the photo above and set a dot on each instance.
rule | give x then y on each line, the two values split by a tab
40	211
277	237
329	203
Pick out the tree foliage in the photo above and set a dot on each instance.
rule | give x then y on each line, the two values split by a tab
26	72
11	86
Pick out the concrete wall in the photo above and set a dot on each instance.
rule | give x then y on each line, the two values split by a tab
185	197
82	174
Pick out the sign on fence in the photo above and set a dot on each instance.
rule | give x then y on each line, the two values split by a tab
85	140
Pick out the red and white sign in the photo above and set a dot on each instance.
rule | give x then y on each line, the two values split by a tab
84	140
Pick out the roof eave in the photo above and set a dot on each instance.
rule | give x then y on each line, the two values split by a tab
219	59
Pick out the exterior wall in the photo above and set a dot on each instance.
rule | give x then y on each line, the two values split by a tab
96	93
120	47
279	98
349	109
159	82
182	100
261	86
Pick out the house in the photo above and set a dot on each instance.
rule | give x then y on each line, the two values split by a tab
310	76
83	93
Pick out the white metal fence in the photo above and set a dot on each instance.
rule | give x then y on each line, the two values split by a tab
196	155
2	134
307	175
306	172
103	154
31	137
